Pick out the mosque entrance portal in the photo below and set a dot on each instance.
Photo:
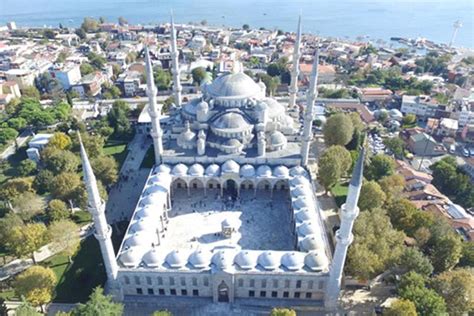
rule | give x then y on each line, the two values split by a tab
231	189
223	293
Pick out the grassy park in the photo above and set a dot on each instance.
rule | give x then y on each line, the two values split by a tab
339	191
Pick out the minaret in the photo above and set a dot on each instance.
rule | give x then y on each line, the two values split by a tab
103	231
308	115
153	109
296	70
344	237
457	25
175	66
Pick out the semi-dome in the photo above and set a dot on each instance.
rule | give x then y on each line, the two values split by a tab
312	242
277	139
187	138
180	170
281	172
230	166
246	260
141	238
156	188
247	171
303	215
269	260
264	171
148	211
131	257
163	179
233	143
213	170
152	258
196	170
297	171
176	259
292	260
143	225
303	202
237	85
299	180
316	261
308	228
300	190
163	168
200	259
231	122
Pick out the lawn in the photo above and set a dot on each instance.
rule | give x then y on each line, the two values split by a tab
339	191
149	159
116	149
82	218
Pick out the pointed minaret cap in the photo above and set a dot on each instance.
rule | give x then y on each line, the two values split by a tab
89	177
149	70
357	173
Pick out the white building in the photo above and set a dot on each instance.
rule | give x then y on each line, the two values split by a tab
24	78
418	105
67	74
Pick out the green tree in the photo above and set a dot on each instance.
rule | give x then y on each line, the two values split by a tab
64	185
86	69
7	224
457	289
333	164
27	205
162	313
57	160
25	240
42	181
380	166
17	123
282	312
60	141
163	78
122	21
376	245
57	210
15	187
64	236
445	251
118	118
245	27
7	134
26	309
338	130
413	260
401	307
98	304
396	146
27	167
30	92
392	185
467	255
198	74
270	82
427	301
371	196
409	119
105	169
36	284
90	25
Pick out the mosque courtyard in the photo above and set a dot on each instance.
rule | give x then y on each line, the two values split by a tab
261	221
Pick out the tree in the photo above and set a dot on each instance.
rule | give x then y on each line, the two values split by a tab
43	180
7	224
25	309
467	255
380	166
6	134
86	69
376	245
401	307
60	141
198	74
64	236
282	312
413	260
162	313
90	25
333	163
98	304
36	284
30	92
457	289
25	240
27	167
27	205
445	251
122	21
338	130
409	119
270	82
371	196
245	27
118	118
17	123
427	301
392	185
406	217
97	61
15	187
64	185
57	210
57	160
396	146
105	169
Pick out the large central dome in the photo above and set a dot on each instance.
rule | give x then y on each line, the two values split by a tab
233	85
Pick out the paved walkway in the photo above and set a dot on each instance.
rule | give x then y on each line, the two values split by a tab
19	141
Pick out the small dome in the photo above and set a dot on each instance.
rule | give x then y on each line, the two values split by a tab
131	257
176	259
261	106
196	170
316	261
180	170
292	260
143	225
155	189
300	190
231	123
247	171
152	258
163	169
299	180
202	106
230	166
148	211
163	179
277	139
187	136
246	260
141	238
264	171
154	199
303	215
235	143
200	259
311	242
269	260
281	172
308	228
303	202
213	170
222	259
298	171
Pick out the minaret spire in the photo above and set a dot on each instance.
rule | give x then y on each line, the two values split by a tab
153	109
296	64
103	231
344	237
175	65
308	116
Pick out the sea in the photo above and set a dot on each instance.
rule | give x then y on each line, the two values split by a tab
372	20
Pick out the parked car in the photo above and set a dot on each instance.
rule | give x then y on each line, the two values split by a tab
465	152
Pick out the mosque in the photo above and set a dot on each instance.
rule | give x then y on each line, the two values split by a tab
228	213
